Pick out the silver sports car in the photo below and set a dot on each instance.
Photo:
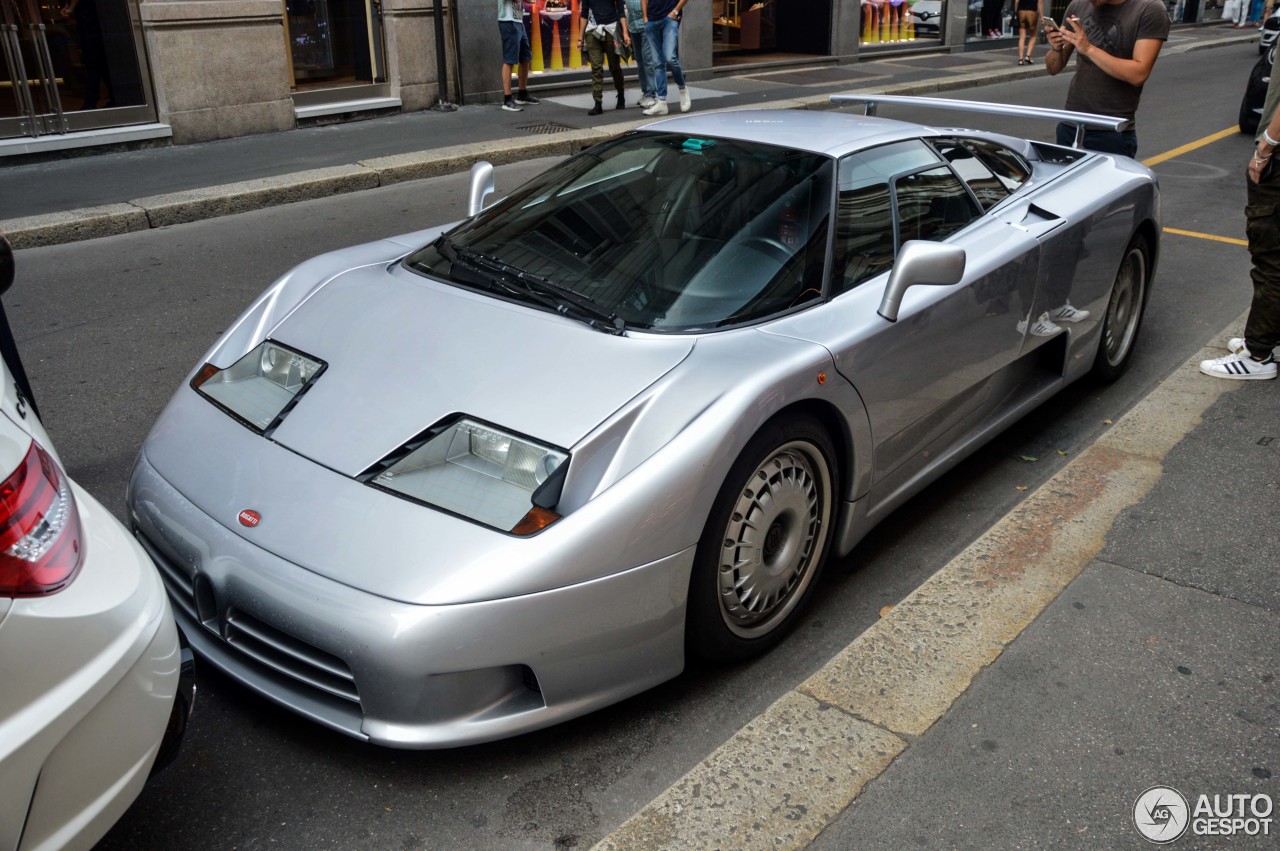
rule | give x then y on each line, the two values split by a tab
475	480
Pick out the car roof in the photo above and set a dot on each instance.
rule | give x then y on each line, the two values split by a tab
832	133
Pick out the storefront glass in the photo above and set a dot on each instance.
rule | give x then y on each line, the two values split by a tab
334	43
65	59
758	30
991	19
554	28
743	25
888	22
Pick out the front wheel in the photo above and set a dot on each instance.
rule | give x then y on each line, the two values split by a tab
1124	311
764	543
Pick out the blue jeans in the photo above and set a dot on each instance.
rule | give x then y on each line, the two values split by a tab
665	36
1124	142
646	60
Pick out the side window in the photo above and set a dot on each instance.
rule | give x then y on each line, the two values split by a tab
986	187
864	234
864	245
931	204
1008	167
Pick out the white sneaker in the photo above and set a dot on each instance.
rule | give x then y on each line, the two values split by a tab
1042	327
685	101
1239	366
1067	313
658	108
1236	345
645	102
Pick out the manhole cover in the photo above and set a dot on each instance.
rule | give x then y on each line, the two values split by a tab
545	127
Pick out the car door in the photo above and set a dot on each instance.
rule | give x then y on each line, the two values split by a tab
928	378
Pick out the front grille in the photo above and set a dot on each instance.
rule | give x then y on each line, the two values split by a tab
176	580
288	655
255	642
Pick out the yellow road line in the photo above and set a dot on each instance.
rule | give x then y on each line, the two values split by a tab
1190	146
1228	239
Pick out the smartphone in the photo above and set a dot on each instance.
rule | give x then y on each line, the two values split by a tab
1050	23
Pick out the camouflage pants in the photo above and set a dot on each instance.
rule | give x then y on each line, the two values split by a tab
597	50
1262	226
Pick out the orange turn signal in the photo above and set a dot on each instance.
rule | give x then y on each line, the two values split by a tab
206	372
535	521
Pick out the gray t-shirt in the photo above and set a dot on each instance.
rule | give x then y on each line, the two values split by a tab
1115	29
1269	106
510	10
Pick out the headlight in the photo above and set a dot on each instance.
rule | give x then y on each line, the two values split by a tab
482	473
261	387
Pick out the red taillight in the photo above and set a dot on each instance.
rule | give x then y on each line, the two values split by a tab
39	529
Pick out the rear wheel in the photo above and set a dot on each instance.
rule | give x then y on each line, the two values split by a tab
764	543
1124	311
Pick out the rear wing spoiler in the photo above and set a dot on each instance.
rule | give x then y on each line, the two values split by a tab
1081	120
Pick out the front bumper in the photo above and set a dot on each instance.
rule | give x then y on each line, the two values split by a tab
400	674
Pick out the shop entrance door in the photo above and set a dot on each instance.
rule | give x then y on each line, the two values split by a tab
335	44
70	66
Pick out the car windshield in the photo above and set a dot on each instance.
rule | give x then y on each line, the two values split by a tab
658	231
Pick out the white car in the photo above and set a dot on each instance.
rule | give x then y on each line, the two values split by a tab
94	691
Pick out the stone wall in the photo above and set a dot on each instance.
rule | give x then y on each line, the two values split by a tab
218	67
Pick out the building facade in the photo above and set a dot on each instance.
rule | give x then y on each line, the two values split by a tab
94	72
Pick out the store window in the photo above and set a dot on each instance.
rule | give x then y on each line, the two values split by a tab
554	27
742	25
752	30
991	19
334	43
68	65
889	22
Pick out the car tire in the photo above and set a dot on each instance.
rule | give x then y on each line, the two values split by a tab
1125	306
764	543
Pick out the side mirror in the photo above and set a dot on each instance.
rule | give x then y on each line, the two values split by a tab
6	264
921	262
481	186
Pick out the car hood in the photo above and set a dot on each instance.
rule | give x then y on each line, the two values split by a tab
404	352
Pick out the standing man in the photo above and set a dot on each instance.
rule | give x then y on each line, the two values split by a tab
1253	355
1117	42
603	27
517	52
646	60
662	27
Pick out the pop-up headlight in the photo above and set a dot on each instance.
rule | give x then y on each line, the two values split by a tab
480	472
262	386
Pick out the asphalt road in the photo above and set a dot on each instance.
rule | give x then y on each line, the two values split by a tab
108	329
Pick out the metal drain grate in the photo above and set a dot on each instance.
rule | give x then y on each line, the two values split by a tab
545	127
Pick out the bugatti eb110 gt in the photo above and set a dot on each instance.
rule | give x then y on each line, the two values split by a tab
471	481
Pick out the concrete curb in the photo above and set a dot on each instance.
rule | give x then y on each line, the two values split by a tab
780	781
212	201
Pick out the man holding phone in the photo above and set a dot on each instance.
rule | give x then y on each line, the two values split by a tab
1116	42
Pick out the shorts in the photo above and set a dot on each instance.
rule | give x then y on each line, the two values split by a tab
1028	19
515	43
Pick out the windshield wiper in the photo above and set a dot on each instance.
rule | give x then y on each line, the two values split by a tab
523	284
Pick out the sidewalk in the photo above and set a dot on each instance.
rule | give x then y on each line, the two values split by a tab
1114	633
1157	665
100	195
